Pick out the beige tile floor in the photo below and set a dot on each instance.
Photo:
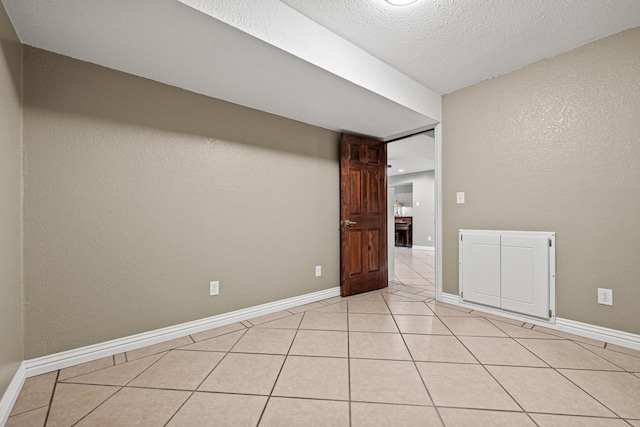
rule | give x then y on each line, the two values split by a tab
386	358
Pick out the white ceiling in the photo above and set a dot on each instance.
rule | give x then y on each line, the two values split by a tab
450	44
380	76
410	155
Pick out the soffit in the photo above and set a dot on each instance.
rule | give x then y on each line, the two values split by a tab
170	42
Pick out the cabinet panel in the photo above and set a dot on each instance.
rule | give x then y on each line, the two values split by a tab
525	275
481	269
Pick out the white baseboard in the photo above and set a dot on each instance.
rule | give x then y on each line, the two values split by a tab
613	336
11	393
424	248
455	300
53	362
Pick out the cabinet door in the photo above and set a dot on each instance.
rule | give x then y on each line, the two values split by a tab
481	268
525	275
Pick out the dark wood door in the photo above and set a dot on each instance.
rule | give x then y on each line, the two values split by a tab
363	214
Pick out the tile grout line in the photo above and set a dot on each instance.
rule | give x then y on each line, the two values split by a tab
349	366
68	380
180	407
221	359
415	366
524	347
101	403
549	367
286	356
604	358
485	368
614	415
120	388
86	373
53	392
585	391
555	337
147	368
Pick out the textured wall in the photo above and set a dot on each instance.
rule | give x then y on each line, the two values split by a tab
555	146
138	194
423	215
10	201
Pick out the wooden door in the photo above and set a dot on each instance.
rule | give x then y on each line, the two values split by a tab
363	214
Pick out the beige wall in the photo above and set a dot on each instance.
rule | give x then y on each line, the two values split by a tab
11	353
555	146
138	194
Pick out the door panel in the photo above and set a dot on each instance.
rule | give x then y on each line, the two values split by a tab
373	251
363	212
373	183
355	190
481	269
525	275
355	257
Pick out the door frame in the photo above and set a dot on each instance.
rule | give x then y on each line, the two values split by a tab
437	211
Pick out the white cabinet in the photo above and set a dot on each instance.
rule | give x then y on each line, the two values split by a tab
509	270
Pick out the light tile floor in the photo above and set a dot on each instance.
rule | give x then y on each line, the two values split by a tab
386	358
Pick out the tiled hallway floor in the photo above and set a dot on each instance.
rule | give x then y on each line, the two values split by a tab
387	358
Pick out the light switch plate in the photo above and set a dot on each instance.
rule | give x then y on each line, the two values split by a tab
214	288
460	197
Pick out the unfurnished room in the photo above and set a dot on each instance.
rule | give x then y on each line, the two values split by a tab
319	213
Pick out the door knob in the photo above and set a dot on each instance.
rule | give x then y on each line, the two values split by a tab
347	222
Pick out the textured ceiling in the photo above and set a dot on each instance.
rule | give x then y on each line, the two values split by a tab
447	45
357	66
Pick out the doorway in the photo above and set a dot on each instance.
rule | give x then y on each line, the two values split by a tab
414	180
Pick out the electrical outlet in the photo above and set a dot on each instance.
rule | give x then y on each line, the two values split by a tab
214	288
429	238
318	270
460	197
605	296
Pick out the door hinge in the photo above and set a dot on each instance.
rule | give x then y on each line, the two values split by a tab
461	295
550	243
550	314
461	237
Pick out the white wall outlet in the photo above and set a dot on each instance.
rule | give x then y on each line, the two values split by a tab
318	270
417	204
429	238
605	296
214	288
460	197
